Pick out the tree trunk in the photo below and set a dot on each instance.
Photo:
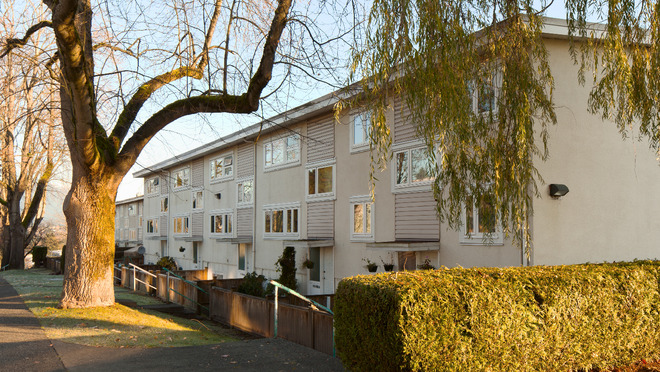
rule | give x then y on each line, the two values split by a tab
90	216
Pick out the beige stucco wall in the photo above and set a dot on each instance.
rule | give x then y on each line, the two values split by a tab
611	211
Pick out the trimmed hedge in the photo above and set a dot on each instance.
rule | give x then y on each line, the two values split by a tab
556	318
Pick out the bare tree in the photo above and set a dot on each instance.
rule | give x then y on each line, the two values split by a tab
187	57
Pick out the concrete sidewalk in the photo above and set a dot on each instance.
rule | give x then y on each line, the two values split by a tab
25	347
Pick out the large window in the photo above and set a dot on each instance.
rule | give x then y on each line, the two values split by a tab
151	186
222	168
221	222
362	218
282	151
360	126
181	177
479	222
281	220
244	192
180	225
164	204
412	167
484	98
320	181
198	199
152	226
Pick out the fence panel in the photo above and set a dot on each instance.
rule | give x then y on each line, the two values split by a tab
323	332
295	324
252	314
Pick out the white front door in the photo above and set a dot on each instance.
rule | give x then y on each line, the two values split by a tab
315	273
197	246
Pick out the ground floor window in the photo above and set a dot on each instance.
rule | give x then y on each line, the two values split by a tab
281	220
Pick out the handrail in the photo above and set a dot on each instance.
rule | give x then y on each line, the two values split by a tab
186	297
141	269
185	280
4	267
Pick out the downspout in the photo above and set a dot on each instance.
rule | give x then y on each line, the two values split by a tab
254	208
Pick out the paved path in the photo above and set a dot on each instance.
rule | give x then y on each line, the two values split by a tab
25	347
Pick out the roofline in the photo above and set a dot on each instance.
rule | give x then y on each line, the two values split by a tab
125	201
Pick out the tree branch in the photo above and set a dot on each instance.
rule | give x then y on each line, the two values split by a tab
11	44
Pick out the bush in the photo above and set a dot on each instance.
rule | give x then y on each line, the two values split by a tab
167	262
516	319
286	266
252	285
39	255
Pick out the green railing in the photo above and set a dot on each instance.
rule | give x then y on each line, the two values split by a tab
167	285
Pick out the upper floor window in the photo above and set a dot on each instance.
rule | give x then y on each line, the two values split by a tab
132	235
198	199
360	127
281	220
244	192
484	97
151	186
164	204
222	168
282	151
181	177
412	167
479	222
152	226
320	180
362	218
221	222
180	225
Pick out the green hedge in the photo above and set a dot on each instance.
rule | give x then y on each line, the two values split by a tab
557	318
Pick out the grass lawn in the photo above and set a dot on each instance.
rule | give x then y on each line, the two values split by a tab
114	326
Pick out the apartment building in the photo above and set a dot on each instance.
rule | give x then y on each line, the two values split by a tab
128	222
301	179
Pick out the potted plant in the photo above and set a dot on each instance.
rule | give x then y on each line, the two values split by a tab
388	266
308	264
426	265
371	266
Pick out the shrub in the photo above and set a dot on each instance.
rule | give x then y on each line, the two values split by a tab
286	266
39	255
516	319
252	285
167	262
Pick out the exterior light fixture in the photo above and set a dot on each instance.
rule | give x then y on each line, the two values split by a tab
181	249
558	190
218	195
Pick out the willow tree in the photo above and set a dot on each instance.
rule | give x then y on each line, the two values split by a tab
476	78
187	57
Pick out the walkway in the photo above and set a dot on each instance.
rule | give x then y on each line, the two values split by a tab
25	347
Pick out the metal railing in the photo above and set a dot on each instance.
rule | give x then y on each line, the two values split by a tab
4	267
314	305
135	279
114	273
167	285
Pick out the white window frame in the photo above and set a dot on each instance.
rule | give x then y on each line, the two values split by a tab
151	186
240	192
154	226
213	163
286	162
365	116
185	225
164	207
315	167
409	185
197	199
175	178
284	207
364	236
495	84
132	235
478	238
224	214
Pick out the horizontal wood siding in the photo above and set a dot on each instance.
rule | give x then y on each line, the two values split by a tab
415	217
197	173
244	221
245	160
321	140
321	220
162	225
404	130
197	224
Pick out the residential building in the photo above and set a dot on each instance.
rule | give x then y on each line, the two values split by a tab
128	222
301	179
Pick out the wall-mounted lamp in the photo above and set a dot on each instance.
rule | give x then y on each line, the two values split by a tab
181	249
558	190
218	195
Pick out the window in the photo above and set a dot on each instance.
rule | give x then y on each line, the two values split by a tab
163	248
222	168
126	223
362	218
412	168
164	204
282	151
132	235
195	246
360	128
221	222
152	226
479	222
484	99
241	257
281	220
180	225
151	187
244	192
320	181
181	178
198	199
